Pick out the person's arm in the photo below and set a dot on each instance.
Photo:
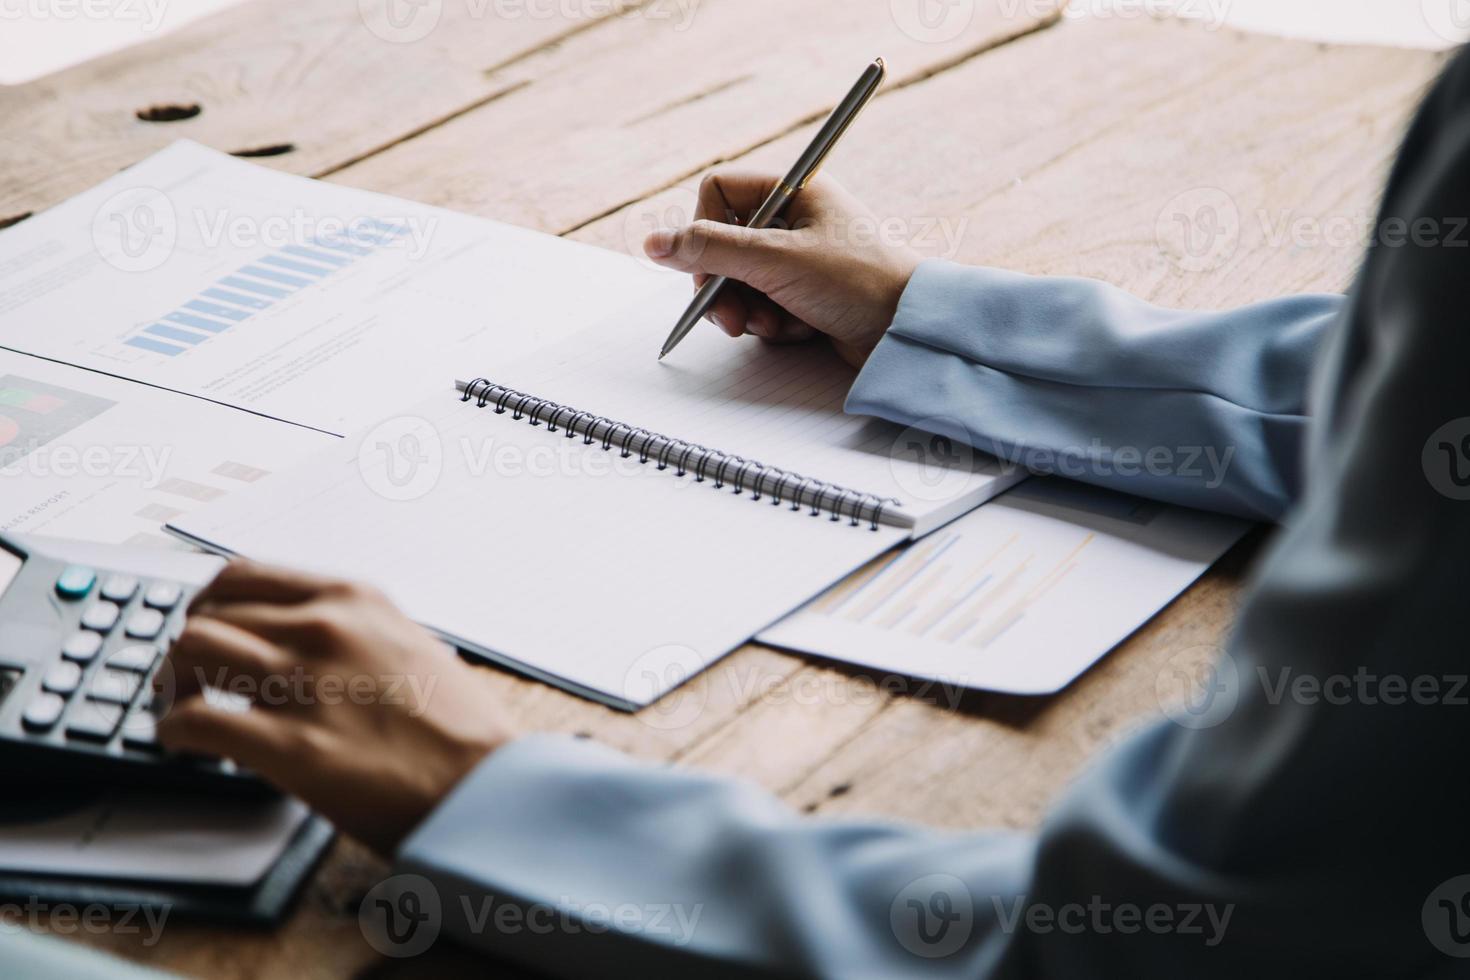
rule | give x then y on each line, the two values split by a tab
1310	822
1066	376
1077	378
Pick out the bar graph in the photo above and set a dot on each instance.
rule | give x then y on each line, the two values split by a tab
954	588
258	285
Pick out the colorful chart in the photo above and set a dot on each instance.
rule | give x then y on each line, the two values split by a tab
33	413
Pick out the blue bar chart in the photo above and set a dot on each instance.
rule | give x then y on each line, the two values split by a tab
257	286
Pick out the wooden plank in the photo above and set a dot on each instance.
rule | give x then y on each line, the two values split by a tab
1075	172
615	114
334	80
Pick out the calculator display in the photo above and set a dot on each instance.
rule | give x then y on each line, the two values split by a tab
9	568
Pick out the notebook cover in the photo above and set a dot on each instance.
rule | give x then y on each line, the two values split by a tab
263	903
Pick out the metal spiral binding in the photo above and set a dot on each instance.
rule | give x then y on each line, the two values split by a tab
687	458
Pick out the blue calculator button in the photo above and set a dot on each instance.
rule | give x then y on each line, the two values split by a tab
75	581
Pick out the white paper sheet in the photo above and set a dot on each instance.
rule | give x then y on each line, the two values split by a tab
1021	596
571	562
294	298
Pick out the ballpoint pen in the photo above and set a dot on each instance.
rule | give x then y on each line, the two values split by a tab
806	167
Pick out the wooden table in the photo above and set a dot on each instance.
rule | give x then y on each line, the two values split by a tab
1049	144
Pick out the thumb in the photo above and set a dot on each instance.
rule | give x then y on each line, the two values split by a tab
717	249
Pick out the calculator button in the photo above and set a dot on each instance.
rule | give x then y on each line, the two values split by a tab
140	731
114	686
94	721
145	624
101	616
119	588
62	678
81	646
163	595
43	712
137	657
75	581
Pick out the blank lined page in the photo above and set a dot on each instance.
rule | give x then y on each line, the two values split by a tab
779	406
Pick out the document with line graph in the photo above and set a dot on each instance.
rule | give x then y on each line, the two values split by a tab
1020	596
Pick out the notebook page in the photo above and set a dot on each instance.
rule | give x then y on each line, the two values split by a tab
777	405
523	545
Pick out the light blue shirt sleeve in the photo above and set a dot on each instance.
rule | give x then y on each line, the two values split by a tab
1303	816
1079	379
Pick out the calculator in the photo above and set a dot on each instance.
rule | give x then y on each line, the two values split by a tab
83	631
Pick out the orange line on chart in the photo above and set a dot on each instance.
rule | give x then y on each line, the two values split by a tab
914	563
958	596
972	615
844	590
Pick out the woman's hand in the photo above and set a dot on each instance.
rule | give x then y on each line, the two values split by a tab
354	708
824	269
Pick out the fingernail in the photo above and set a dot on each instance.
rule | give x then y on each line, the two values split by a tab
660	244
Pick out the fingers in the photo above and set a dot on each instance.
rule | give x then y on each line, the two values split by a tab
210	652
750	256
252	738
733	197
246	581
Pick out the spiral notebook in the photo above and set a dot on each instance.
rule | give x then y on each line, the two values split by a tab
606	522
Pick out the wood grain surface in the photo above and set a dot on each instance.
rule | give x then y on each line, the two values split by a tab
1196	168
